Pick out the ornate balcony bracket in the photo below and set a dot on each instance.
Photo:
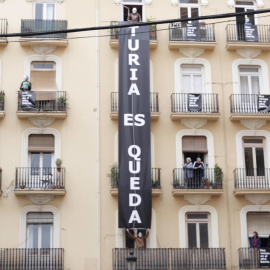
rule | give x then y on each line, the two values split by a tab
253	124
258	199
194	123
197	199
40	200
192	52
248	53
41	122
43	50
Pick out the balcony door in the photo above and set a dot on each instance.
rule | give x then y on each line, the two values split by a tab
189	9
44	11
243	6
255	162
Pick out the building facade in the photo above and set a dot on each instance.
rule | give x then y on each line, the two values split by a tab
66	216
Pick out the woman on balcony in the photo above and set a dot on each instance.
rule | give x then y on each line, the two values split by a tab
255	241
188	170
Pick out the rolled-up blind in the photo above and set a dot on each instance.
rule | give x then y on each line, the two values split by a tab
41	143
40	217
194	144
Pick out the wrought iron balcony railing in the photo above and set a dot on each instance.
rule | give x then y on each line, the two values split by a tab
43	101
207	178
252	178
207	103
0	179
200	32
155	177
40	178
171	258
236	33
31	258
249	258
3	26
33	26
245	103
152	31
154	103
2	100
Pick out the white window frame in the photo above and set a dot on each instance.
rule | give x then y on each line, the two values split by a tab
258	3
23	224
249	75
45	8
197	222
192	74
189	7
41	159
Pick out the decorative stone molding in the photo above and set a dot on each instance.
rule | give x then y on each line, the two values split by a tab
148	2
117	2
260	3
53	1
194	123
174	2
40	199
197	199
248	53
253	124
192	52
2	1
258	199
44	50
204	3
231	3
41	122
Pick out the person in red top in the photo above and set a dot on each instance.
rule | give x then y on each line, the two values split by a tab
139	240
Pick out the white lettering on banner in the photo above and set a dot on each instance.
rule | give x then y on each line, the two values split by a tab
133	58
136	45
138	118
134	217
137	168
133	74
133	90
133	30
134	155
134	199
134	182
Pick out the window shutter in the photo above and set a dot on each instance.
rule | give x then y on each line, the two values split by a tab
43	80
259	222
41	143
39	217
194	144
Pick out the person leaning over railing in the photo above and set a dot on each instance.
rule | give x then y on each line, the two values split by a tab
255	241
199	166
188	172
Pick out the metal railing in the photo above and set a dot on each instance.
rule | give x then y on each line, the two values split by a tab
2	100
154	103
40	178
207	178
3	26
0	178
252	178
203	32
245	103
31	259
171	258
32	26
152	31
249	258
155	177
237	33
180	103
50	101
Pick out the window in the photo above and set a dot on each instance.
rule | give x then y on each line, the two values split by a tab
39	230
128	5
192	79
189	9
197	230
44	11
250	77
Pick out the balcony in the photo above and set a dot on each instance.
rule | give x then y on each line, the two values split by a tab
152	36
37	180
196	181
42	103
192	36
246	107
251	181
31	258
2	104
187	105
3	31
249	258
154	105
34	26
171	258
155	179
248	37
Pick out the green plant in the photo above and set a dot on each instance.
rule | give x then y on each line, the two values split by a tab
218	174
62	101
113	175
58	162
152	27
2	96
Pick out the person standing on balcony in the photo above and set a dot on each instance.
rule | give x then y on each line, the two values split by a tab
139	240
255	241
188	172
198	172
134	16
26	84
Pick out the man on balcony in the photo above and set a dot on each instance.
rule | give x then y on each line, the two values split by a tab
139	240
134	16
25	85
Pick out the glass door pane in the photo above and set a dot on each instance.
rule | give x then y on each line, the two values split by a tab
46	235
192	236
203	227
260	161
249	161
32	236
47	163
35	163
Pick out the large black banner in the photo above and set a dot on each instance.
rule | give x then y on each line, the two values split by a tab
264	103
194	102
251	33
28	100
193	31
265	257
134	186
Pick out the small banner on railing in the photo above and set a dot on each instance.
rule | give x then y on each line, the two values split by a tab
264	257
193	32
194	102
28	100
251	33
134	186
264	103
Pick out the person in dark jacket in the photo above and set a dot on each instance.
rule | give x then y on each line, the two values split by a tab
198	167
255	241
25	85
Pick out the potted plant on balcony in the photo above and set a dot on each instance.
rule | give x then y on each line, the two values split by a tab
62	103
114	33
2	99
152	28
58	163
218	174
113	175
